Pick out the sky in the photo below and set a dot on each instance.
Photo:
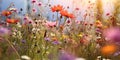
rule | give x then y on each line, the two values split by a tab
108	6
18	4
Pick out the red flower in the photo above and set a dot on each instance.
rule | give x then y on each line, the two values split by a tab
6	13
12	21
56	8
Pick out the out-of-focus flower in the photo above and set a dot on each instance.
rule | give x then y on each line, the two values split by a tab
25	57
66	56
12	21
78	21
13	9
47	38
55	42
108	49
64	36
52	34
76	8
34	10
6	13
4	31
98	24
80	59
112	34
23	41
68	21
25	18
84	41
56	8
39	4
66	14
50	24
107	14
70	15
80	35
85	23
33	1
117	53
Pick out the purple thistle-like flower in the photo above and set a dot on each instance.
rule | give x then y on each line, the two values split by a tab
4	31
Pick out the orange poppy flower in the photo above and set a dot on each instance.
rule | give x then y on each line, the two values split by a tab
108	49
6	13
66	14
56	8
70	15
12	21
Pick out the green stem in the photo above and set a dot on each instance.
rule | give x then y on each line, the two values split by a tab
12	47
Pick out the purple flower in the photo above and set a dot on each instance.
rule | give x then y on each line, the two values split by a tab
55	42
4	31
112	34
23	41
47	39
66	56
117	53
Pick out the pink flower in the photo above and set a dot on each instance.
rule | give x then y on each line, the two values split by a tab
50	24
76	8
112	34
77	21
107	14
63	55
34	10
39	4
4	31
33	1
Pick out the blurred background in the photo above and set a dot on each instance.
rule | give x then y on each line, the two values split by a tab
108	6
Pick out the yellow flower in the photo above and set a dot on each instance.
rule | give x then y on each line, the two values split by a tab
64	36
80	35
52	34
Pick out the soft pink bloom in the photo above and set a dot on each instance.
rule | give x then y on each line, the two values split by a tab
33	1
4	31
77	21
65	56
107	14
76	8
34	10
39	4
112	34
50	24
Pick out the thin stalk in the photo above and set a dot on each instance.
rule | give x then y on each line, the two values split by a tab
12	47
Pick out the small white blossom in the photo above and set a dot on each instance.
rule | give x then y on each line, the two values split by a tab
80	59
25	57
